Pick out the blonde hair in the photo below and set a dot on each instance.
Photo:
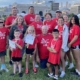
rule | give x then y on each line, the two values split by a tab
15	22
32	28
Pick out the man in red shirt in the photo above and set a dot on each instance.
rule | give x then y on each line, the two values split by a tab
43	41
58	14
30	17
11	18
8	24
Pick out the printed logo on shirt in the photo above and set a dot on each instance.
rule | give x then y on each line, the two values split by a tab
39	26
13	20
31	19
2	35
45	42
71	30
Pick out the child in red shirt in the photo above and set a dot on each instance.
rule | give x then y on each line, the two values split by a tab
30	48
3	44
54	55
17	53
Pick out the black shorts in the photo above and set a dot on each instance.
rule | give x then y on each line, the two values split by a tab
3	53
54	64
16	59
29	51
76	47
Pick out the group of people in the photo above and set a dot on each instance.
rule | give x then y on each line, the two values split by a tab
55	39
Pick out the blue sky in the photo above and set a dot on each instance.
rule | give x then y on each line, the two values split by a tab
9	2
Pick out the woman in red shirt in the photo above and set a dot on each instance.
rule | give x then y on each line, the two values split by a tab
37	24
74	41
49	22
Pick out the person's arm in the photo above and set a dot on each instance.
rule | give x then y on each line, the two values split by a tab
11	34
73	40
19	46
35	49
51	50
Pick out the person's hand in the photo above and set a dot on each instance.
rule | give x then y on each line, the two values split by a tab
69	45
27	45
11	49
49	48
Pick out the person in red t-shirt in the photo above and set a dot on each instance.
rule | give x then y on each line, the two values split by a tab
49	22
37	24
30	17
3	43
55	20
17	52
74	41
31	47
68	54
54	54
8	24
10	19
43	40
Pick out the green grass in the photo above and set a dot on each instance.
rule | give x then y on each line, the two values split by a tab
41	75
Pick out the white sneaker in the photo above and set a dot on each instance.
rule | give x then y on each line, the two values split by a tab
36	65
66	63
1	69
6	70
71	66
50	75
56	77
62	74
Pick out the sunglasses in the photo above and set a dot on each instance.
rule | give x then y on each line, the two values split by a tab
1	22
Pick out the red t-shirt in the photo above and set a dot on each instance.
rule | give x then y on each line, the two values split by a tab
55	22
43	41
9	20
37	26
20	27
32	46
75	30
50	25
29	18
54	58
17	52
3	38
60	28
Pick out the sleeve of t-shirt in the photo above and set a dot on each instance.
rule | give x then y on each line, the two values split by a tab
58	45
7	31
7	21
36	40
76	32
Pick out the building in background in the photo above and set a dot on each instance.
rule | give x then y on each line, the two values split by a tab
75	8
41	7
